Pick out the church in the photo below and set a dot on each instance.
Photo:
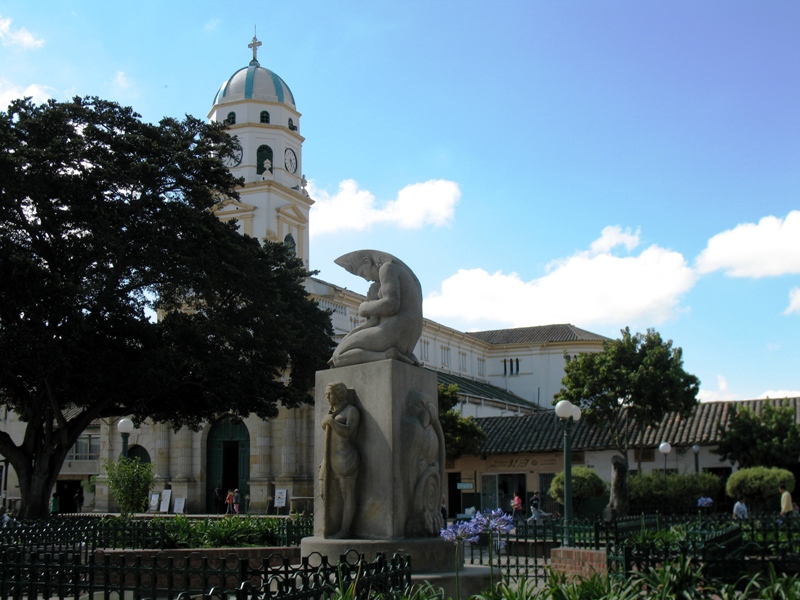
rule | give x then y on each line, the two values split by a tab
510	372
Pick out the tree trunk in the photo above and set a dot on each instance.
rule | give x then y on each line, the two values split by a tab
619	502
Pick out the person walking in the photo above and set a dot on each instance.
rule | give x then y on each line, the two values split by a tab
237	499
54	505
517	511
739	510
787	507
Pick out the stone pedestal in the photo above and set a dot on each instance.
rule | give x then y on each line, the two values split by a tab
401	468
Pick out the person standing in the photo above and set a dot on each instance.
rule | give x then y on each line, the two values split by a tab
54	508
237	499
79	500
229	503
739	510
219	499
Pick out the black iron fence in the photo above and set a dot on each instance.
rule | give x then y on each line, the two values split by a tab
66	574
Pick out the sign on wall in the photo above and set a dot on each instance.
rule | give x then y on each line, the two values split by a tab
280	498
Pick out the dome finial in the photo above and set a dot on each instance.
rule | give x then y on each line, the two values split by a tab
254	45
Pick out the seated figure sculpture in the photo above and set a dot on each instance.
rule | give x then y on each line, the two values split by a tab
393	311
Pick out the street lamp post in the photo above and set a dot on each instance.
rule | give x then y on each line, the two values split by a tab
568	413
125	428
696	450
665	448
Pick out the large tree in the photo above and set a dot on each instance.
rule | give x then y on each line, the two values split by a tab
106	221
461	434
632	384
769	438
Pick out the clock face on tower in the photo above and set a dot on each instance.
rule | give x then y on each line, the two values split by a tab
290	160
234	158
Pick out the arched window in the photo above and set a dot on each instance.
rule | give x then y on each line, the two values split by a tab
289	242
263	154
291	125
139	453
231	119
264	116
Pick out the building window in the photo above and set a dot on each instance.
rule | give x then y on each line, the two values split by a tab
231	118
264	116
424	349
263	160
516	364
289	242
462	359
87	447
481	366
648	455
445	352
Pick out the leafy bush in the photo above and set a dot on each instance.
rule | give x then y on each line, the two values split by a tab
130	481
586	485
649	492
759	486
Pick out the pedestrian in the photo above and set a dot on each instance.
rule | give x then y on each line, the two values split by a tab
229	503
54	504
236	501
535	503
444	510
219	499
79	500
517	511
4	518
739	510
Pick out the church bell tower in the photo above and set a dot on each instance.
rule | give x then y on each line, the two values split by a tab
261	114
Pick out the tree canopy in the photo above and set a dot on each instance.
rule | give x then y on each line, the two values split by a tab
770	438
461	434
106	221
632	384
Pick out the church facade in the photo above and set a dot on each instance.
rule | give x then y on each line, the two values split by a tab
499	373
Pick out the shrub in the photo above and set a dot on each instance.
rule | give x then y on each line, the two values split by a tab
649	492
130	481
586	485
759	486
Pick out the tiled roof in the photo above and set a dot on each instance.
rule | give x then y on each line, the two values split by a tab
542	432
538	335
476	389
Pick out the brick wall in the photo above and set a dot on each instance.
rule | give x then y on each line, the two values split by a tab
577	561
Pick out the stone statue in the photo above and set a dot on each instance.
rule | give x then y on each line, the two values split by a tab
393	311
340	460
423	443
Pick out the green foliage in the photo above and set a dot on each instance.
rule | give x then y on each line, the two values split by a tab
759	486
682	579
649	492
130	481
586	485
104	220
770	438
635	380
461	434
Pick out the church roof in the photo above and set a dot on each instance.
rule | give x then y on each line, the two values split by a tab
538	334
254	82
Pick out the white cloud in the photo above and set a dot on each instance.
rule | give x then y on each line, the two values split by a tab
212	25
121	80
589	288
722	393
770	247
9	92
17	37
354	209
794	302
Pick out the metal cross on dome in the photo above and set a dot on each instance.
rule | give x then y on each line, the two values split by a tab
254	45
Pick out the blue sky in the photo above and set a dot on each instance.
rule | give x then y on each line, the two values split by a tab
606	164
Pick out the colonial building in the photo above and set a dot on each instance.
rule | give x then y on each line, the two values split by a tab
504	372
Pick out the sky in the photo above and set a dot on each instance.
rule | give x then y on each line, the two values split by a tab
607	164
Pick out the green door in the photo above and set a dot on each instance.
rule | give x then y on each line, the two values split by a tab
227	459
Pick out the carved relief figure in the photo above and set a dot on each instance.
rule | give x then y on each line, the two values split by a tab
393	311
423	441
339	469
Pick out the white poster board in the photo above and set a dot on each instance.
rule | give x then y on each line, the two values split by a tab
178	506
166	496
280	498
155	497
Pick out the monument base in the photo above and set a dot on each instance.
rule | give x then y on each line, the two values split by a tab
428	555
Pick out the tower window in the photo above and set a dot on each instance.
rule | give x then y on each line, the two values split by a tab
264	116
289	242
231	118
263	160
291	125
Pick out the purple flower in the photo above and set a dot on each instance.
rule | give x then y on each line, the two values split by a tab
459	532
704	502
495	521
